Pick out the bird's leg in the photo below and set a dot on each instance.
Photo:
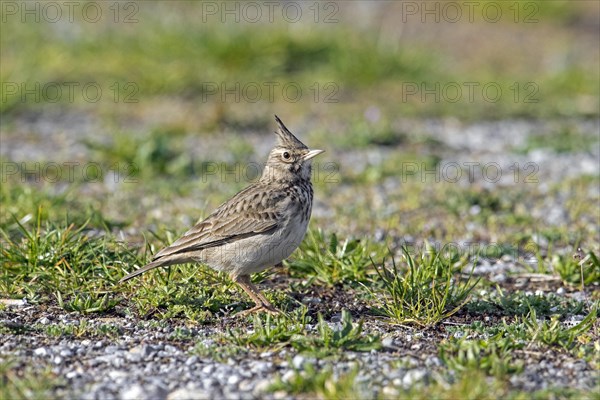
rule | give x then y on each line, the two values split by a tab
262	304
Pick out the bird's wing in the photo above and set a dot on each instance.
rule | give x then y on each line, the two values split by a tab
243	216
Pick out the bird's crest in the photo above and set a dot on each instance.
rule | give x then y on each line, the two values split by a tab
285	138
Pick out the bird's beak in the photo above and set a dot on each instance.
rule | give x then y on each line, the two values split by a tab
311	154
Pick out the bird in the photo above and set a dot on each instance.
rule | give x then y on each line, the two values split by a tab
258	227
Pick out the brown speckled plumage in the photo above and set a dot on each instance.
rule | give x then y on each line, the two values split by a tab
258	227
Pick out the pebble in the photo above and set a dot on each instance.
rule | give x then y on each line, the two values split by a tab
189	394
390	391
14	302
261	386
209	383
208	369
134	392
259	367
433	361
413	376
298	361
66	353
193	360
288	375
245	385
72	374
233	380
116	374
41	351
387	342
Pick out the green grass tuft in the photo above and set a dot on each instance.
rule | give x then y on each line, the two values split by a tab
425	293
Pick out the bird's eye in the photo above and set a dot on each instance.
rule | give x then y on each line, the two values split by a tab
286	155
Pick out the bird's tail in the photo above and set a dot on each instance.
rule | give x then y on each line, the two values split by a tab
162	262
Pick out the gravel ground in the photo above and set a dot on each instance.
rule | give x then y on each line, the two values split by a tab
148	361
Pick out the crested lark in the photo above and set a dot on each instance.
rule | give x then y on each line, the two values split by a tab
258	227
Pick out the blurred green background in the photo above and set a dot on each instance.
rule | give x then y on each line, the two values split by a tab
543	55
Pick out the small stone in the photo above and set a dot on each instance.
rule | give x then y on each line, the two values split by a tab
390	391
579	296
191	361
14	302
413	376
336	318
171	349
145	351
133	356
71	374
111	349
433	361
261	366
261	387
245	385
44	321
233	380
298	361
66	353
288	375
189	394
41	351
116	374
388	342
134	392
208	383
209	369
395	373
280	394
474	210
118	362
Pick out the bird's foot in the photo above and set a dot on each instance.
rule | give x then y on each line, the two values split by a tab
260	308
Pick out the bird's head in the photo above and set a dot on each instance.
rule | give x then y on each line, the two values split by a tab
290	159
